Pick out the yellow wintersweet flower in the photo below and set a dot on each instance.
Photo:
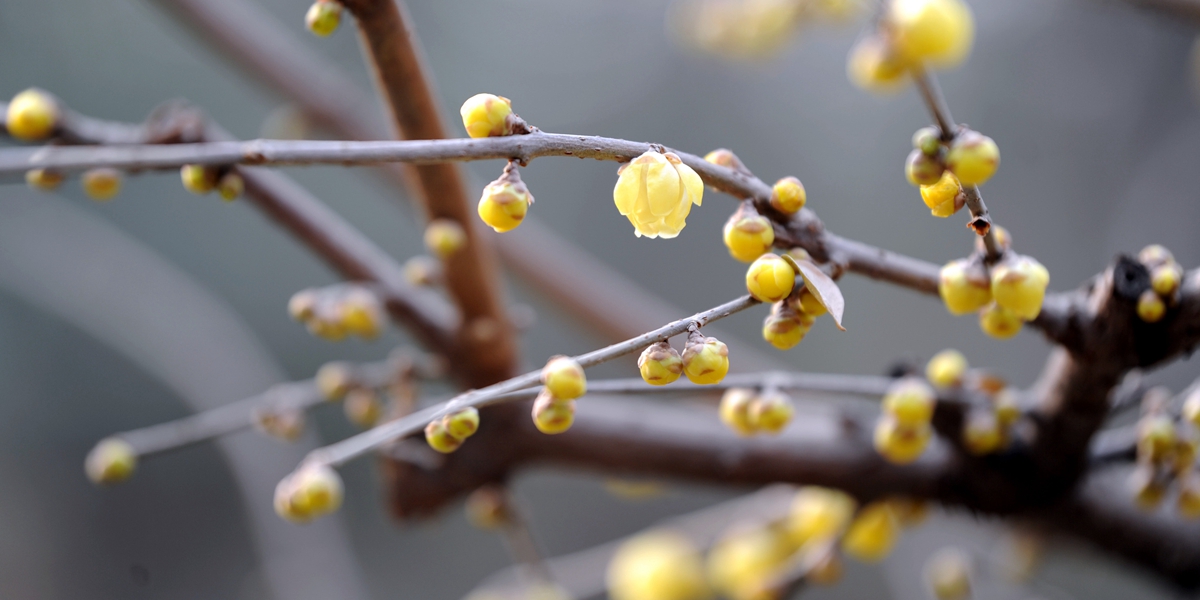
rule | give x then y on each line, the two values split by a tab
656	192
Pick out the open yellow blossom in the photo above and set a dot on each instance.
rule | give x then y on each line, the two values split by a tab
656	192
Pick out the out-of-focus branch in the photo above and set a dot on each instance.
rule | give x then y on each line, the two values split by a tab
1184	9
487	345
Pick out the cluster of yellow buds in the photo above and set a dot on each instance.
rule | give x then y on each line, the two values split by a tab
563	381
912	34
1166	276
705	360
985	428
113	460
657	565
1006	298
792	317
449	432
656	191
1166	454
903	430
311	492
748	413
751	29
505	201
323	17
202	179
941	169
337	311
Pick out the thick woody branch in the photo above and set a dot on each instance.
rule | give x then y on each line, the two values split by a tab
487	340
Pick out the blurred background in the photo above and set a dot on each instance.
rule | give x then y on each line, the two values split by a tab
120	315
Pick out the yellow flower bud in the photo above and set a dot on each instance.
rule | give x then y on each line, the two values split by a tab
973	157
874	67
1189	497
32	115
564	378
363	407
552	415
462	424
421	271
315	491
302	305
323	17
982	433
946	368
361	313
735	410
922	169
938	31
657	565
900	444
1155	255
872	534
724	158
656	192
788	195
113	460
1147	486
335	379
771	412
101	184
948	575
44	179
444	237
1150	307
928	140
487	508
784	327
705	360
964	287
439	438
743	561
231	186
1020	286
505	201
1007	407
999	322
321	327
1156	437
818	515
910	402
660	364
945	197
198	179
487	115
1165	279
770	278
748	235
281	424
807	303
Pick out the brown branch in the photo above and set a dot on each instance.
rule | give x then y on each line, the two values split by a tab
487	350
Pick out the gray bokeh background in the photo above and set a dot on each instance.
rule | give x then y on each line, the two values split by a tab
1089	100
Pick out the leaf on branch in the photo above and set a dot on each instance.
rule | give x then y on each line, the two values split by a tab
823	288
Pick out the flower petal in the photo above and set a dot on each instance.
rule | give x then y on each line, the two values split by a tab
691	182
663	188
629	184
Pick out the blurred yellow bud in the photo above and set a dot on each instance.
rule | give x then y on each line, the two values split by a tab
964	287
735	410
444	237
44	179
32	115
901	444
788	195
553	415
657	565
101	184
945	197
564	378
999	322
872	534
323	17
113	460
910	402
946	368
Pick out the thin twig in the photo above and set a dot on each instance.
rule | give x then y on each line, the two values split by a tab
981	221
350	448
